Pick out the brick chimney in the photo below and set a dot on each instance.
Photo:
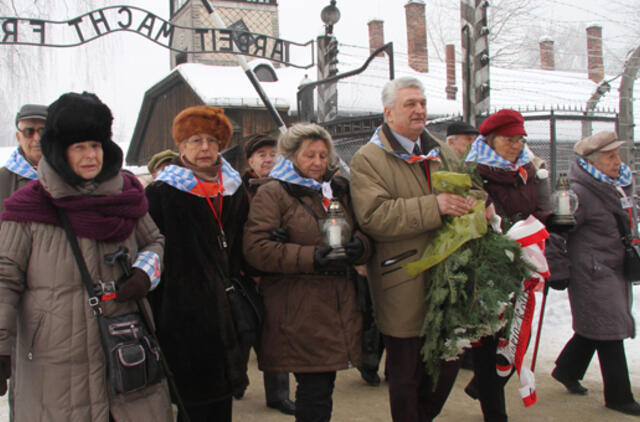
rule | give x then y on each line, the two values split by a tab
417	35
451	89
546	53
376	35
595	65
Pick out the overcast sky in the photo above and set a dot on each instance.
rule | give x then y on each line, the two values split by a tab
120	67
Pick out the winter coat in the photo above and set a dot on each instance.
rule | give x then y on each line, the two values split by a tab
190	305
312	322
600	297
61	372
395	207
514	198
9	183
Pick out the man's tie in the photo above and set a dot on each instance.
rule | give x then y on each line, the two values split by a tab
416	149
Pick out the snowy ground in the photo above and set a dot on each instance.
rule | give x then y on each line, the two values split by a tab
354	401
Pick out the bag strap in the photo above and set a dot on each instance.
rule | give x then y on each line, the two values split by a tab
306	206
94	301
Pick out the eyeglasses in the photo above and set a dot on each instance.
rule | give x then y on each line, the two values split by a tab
513	140
29	131
198	142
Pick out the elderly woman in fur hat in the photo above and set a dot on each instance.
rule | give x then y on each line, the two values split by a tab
198	203
60	370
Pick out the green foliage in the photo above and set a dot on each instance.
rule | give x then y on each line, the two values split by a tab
468	296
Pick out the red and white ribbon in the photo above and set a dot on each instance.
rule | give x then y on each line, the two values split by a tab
531	235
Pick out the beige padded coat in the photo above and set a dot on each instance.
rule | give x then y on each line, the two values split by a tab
60	374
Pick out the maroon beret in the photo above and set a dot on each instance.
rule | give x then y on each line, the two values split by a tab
505	122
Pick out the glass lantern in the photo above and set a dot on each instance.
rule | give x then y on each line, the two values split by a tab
564	203
335	230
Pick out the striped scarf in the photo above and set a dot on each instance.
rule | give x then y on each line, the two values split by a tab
434	154
624	179
20	166
285	171
482	153
183	179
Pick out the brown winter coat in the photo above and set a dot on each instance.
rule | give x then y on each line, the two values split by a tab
394	206
9	183
600	296
312	322
60	362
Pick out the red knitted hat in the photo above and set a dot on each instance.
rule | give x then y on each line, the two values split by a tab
202	119
505	122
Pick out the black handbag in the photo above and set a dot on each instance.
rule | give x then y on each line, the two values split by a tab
246	306
631	251
132	354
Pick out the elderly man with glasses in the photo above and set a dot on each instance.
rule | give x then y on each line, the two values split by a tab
22	165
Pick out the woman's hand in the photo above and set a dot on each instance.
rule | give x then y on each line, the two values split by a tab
451	204
354	249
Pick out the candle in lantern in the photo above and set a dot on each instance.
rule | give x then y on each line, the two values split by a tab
335	238
564	204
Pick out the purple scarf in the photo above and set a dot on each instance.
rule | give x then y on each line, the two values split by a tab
104	218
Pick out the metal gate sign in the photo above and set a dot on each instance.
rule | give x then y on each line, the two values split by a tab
97	23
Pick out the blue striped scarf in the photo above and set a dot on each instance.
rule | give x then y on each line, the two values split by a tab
625	178
482	153
285	171
183	179
434	154
20	166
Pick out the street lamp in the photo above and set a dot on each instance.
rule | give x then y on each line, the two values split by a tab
330	15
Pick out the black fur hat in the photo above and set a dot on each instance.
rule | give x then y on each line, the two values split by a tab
76	118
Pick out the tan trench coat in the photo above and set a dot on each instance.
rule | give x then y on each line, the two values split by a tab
394	206
60	363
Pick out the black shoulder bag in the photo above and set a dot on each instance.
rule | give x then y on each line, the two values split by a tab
131	352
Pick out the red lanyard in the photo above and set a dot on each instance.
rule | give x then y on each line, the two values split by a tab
222	240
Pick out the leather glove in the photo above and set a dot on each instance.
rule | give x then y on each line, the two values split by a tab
558	284
5	373
134	287
354	249
558	228
320	257
280	235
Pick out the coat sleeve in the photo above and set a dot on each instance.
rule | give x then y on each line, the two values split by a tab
15	249
263	253
381	213
150	249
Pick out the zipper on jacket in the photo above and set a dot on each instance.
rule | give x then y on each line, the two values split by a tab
33	338
344	330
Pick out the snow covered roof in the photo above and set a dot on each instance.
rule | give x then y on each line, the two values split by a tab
360	94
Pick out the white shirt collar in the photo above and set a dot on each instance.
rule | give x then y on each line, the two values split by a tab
405	142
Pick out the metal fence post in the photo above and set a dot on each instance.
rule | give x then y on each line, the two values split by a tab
553	148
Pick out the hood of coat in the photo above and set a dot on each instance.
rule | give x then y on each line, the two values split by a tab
58	188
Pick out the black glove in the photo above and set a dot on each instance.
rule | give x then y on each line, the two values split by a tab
280	235
5	373
134	287
558	228
558	284
320	257
354	249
